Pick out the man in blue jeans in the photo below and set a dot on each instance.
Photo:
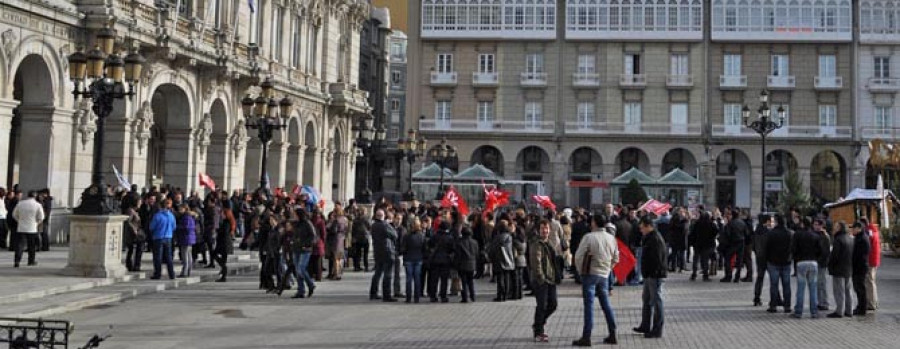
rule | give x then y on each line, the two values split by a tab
597	253
162	226
807	249
655	271
778	257
304	236
384	242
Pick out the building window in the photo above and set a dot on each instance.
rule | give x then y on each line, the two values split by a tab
586	64
782	17
486	63
533	115
780	65
733	115
534	63
827	66
884	120
395	104
445	63
442	114
485	114
678	114
732	65
632	64
277	32
876	18
313	43
634	15
395	78
488	15
882	67
585	115
398	52
632	118
255	26
828	115
296	42
678	65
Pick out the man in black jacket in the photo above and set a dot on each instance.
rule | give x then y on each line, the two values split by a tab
465	255
860	267
733	241
778	257
840	266
760	238
579	230
653	268
384	242
806	247
703	236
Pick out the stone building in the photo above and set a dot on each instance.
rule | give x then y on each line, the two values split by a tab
574	93
203	57
374	71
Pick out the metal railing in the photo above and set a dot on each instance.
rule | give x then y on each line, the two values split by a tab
680	80
485	79
586	79
633	80
829	82
781	81
446	78
35	333
533	79
732	81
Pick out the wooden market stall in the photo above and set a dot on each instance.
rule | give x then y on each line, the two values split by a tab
862	203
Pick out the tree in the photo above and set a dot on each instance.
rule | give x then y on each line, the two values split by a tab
633	193
794	194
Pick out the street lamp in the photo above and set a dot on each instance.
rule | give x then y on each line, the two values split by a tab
410	148
266	114
368	140
101	75
764	124
442	154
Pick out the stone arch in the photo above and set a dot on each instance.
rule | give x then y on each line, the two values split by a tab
31	167
217	158
309	157
827	177
585	164
532	164
632	157
489	156
679	158
166	76
171	142
36	45
779	162
732	173
293	171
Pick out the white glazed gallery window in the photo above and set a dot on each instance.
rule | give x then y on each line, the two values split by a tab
442	115
585	115
395	104
296	42
632	117
533	115
485	115
732	114
632	64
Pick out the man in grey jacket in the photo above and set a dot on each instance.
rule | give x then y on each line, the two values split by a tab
384	242
597	253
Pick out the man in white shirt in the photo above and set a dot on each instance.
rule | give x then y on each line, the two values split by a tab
597	253
29	214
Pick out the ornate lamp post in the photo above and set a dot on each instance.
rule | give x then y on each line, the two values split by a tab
266	115
101	75
764	124
411	149
442	155
368	140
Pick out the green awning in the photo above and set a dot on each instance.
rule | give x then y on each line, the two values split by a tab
679	178
432	171
477	172
634	173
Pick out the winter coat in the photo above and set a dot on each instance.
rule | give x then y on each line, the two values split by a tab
806	246
502	244
603	251
840	261
520	247
29	214
778	246
734	233
861	249
134	231
760	240
465	253
678	228
654	256
186	230
162	225
319	224
384	241
225	234
442	249
412	247
874	246
304	237
703	234
542	258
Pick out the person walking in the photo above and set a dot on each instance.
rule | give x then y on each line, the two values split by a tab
732	239
162	226
29	214
186	232
360	232
653	266
760	238
597	253
304	241
703	234
825	241
225	239
778	259
874	263
861	249
384	241
806	247
465	256
543	277
503	262
840	266
338	227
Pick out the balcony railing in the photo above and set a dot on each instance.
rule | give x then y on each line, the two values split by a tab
884	84
485	79
633	81
586	80
474	126
680	81
781	82
618	128
732	82
829	82
787	131
443	78
886	133
533	79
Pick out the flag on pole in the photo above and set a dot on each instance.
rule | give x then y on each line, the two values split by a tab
494	198
882	205
626	262
544	201
452	198
207	181
655	206
123	183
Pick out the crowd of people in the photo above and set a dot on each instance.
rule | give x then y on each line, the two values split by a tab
25	222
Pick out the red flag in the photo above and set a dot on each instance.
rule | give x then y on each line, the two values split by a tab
655	206
626	262
544	201
207	181
494	198
279	192
452	198
296	190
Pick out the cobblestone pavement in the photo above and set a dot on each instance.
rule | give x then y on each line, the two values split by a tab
698	315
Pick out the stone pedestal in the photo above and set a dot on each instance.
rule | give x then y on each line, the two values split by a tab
95	246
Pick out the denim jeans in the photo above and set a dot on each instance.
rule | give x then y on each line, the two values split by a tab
652	311
301	263
590	284
638	252
162	251
807	276
413	279
779	273
383	270
823	290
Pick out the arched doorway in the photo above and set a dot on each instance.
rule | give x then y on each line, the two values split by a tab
490	157
632	157
585	165
217	154
679	158
733	179
169	160
778	164
309	158
293	158
827	174
532	164
30	155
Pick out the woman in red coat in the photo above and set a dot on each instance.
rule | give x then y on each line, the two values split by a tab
318	253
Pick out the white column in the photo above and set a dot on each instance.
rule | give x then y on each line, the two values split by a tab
6	114
277	163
